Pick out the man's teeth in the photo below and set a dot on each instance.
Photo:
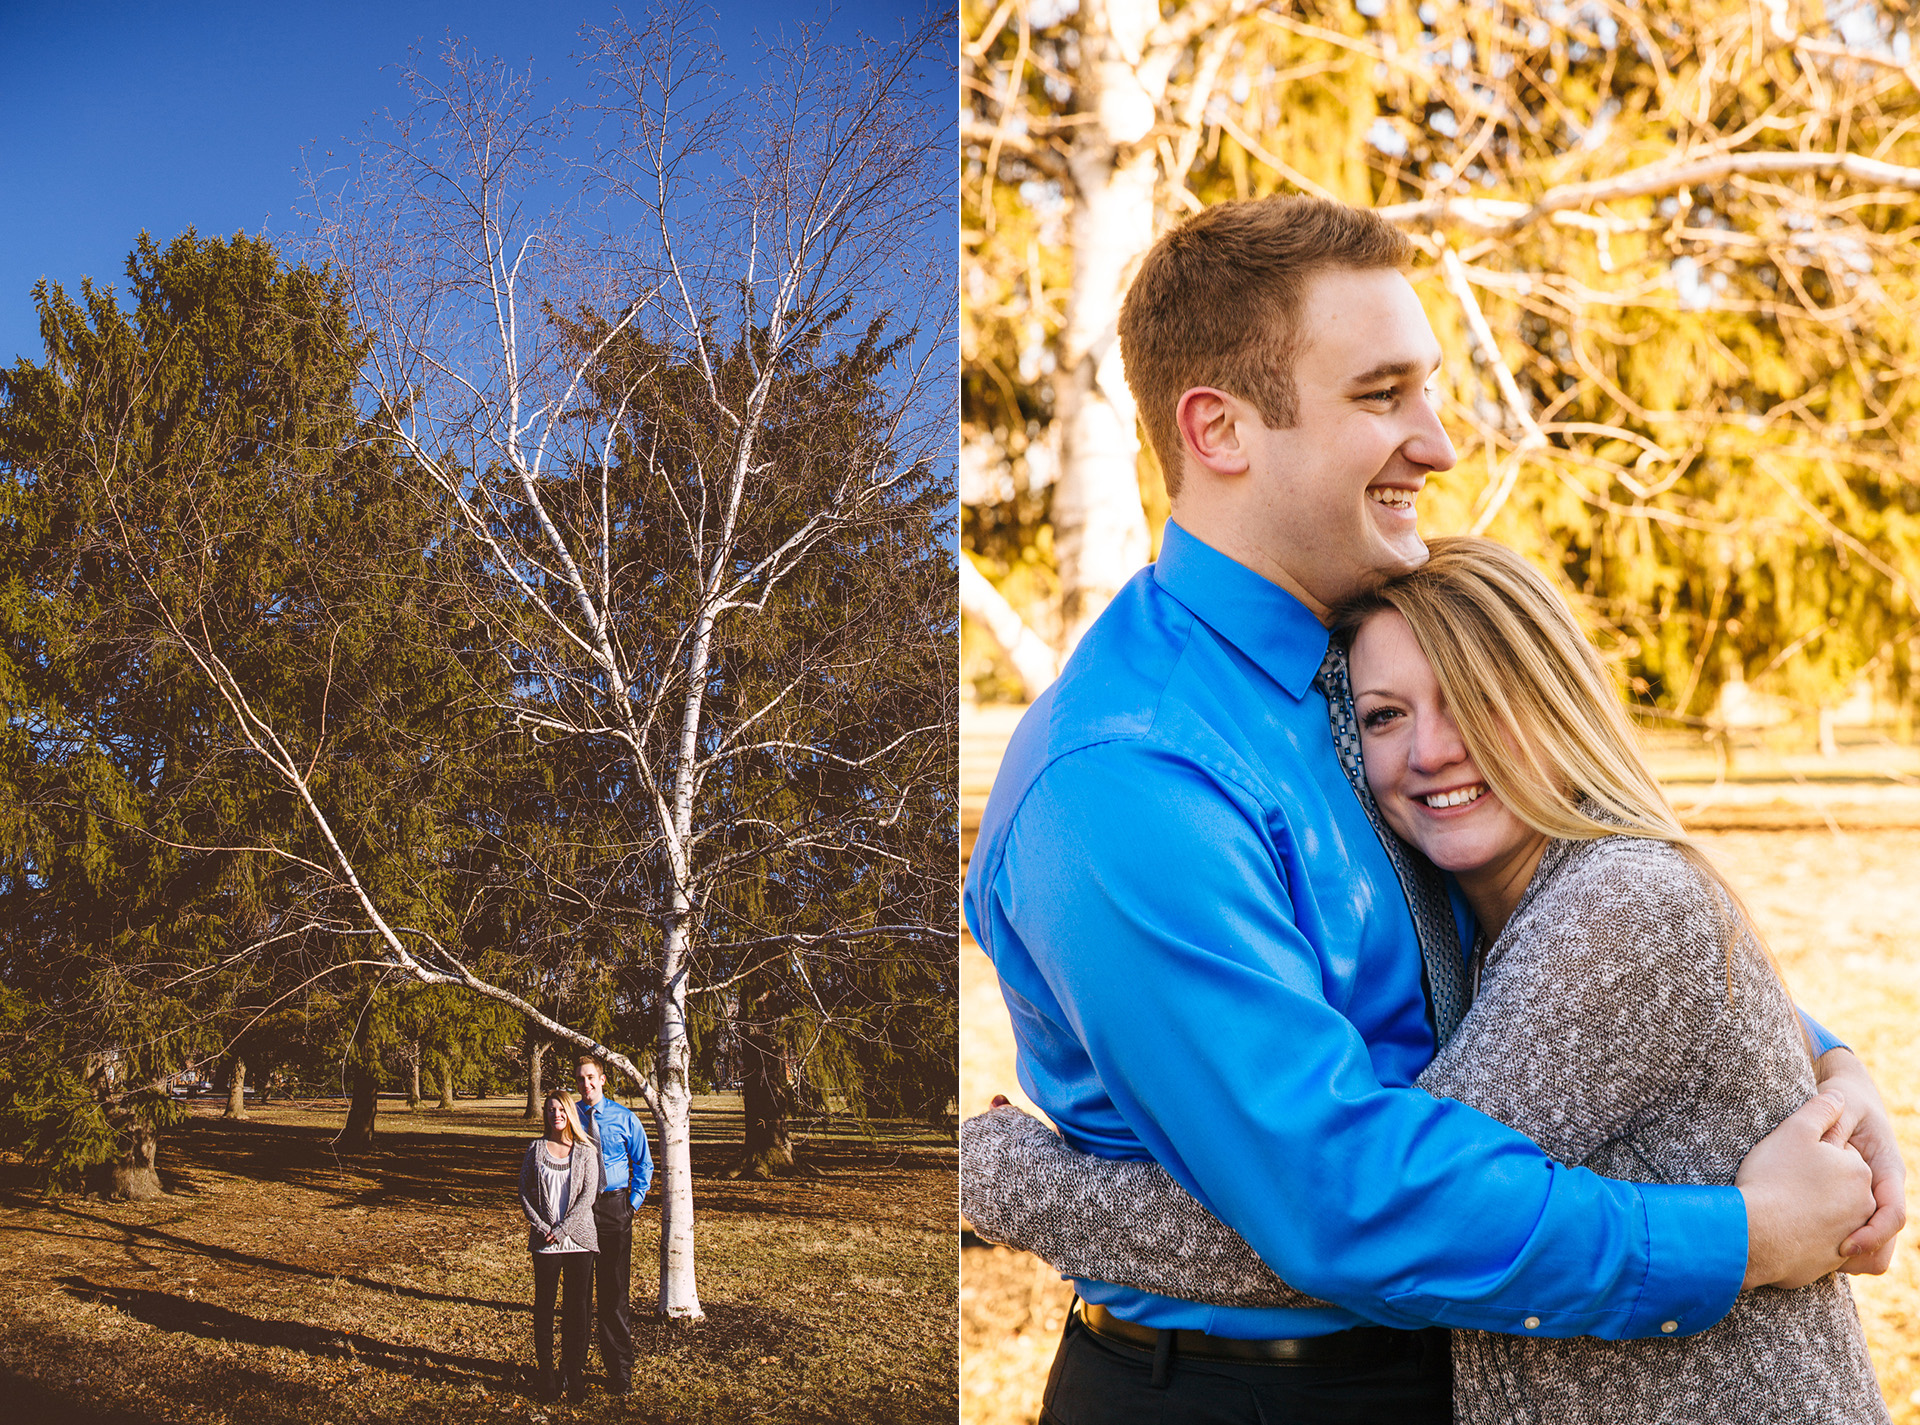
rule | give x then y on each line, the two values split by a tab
1458	798
1392	499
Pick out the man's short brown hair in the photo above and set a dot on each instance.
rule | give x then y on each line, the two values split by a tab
1217	303
583	1057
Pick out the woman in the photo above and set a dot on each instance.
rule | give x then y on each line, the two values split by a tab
559	1179
1624	1014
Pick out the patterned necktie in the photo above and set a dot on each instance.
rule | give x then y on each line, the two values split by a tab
1426	893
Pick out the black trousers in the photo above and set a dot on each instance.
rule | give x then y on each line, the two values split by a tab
571	1275
613	1273
1100	1382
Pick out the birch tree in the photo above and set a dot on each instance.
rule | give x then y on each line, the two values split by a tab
594	409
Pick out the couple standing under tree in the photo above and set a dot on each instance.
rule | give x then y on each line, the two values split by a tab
1418	1065
580	1184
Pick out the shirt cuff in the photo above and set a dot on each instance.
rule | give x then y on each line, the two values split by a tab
1696	1258
1822	1040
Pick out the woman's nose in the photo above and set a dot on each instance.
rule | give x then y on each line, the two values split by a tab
1437	743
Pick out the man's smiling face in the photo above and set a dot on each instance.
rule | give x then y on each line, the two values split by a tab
1336	492
592	1082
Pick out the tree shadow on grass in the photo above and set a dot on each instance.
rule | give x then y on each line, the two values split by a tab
166	1312
267	1264
28	1399
402	1169
417	1169
729	1329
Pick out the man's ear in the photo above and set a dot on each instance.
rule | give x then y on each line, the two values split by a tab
1213	425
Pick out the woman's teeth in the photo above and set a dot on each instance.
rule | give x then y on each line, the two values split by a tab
1392	499
1458	798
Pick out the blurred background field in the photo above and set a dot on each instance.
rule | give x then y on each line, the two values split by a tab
1825	851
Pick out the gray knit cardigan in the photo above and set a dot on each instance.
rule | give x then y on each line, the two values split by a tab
1608	1026
583	1185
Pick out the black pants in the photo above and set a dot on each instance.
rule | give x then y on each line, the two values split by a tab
1100	1382
550	1271
613	1272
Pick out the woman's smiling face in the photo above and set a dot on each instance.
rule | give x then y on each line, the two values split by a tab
1418	767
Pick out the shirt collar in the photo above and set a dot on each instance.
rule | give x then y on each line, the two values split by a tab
1254	614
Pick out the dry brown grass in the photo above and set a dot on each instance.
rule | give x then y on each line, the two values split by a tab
1841	912
277	1283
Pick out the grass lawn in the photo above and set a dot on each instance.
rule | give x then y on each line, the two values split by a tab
277	1282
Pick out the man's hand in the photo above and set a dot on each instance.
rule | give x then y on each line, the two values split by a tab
1804	1194
1867	1126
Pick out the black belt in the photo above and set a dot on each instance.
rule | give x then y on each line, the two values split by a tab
1356	1346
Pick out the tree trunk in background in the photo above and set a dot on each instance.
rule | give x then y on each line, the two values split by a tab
769	1107
1099	526
134	1176
446	1082
362	1111
536	1051
237	1089
363	1107
413	1077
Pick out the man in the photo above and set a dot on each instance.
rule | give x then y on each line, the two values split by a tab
629	1168
1207	953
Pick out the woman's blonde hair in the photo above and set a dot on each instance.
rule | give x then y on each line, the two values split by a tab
571	1134
1535	706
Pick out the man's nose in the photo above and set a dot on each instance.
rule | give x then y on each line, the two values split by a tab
1427	444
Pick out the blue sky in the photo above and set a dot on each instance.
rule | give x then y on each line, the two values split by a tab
121	115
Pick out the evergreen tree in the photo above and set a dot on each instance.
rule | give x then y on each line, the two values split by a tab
188	475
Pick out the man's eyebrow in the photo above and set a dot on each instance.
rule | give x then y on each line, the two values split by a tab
1387	369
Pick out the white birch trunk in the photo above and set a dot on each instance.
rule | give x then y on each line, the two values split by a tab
1032	660
679	1292
1099	527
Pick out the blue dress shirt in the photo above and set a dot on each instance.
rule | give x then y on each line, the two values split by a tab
623	1146
1210	962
